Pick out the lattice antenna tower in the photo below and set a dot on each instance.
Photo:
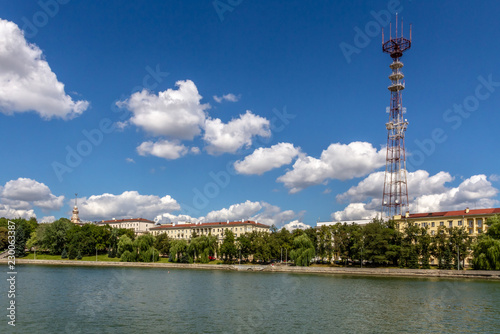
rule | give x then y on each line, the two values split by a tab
395	194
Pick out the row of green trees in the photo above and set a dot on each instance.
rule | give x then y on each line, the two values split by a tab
378	243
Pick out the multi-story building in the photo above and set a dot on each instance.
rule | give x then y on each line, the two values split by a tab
474	221
138	225
186	230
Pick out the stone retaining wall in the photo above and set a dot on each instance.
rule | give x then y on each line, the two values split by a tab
475	274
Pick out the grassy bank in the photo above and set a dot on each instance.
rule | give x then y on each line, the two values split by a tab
100	258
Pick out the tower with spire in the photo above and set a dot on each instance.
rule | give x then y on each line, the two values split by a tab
75	219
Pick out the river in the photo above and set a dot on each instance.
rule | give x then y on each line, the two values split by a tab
59	299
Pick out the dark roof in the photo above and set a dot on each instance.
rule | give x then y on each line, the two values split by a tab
214	224
475	212
131	220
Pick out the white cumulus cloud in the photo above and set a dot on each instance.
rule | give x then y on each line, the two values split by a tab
163	149
338	161
24	193
234	212
296	225
174	113
237	133
265	159
227	97
129	204
27	82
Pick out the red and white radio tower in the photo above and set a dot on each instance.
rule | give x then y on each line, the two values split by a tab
395	196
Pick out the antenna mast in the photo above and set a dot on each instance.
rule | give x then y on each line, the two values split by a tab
395	193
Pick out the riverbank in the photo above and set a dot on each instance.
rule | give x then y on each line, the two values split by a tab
383	272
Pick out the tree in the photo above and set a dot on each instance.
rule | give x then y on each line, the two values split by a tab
3	238
228	248
409	248
303	250
125	245
162	243
486	255
64	254
245	245
53	237
424	247
177	252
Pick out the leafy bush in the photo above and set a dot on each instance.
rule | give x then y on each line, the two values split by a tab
64	254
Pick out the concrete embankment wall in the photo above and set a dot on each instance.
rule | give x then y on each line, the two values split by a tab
385	272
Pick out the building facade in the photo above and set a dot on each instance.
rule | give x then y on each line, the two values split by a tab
138	225
186	230
473	221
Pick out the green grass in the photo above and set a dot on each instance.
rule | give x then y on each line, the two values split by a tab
42	256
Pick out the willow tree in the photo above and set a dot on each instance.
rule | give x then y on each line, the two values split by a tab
303	250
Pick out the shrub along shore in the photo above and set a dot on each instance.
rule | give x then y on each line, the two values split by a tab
327	270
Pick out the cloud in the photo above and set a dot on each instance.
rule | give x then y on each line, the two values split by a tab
427	194
235	212
8	212
163	149
355	211
129	204
265	159
494	177
296	225
229	137
24	193
174	113
48	219
166	218
475	191
338	161
27	82
260	212
130	160
227	97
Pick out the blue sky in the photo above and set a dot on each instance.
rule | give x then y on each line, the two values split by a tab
215	110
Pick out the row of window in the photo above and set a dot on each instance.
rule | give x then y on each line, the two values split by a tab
479	223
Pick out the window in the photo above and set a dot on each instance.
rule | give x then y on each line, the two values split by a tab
479	230
433	225
450	223
433	232
470	231
479	223
441	223
471	223
459	223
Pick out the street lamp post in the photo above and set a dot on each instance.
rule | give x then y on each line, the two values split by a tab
95	253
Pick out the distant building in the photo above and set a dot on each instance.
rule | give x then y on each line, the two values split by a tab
474	221
186	230
359	222
138	225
